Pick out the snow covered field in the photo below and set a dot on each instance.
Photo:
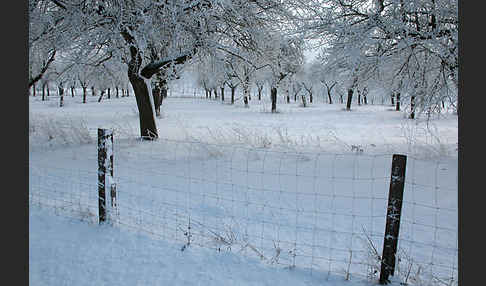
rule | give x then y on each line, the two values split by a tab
289	198
64	251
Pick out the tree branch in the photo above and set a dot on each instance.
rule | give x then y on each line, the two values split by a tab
43	70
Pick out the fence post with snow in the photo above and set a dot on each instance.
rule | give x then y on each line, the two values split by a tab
395	199
105	175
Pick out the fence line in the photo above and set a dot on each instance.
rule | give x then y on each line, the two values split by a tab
317	211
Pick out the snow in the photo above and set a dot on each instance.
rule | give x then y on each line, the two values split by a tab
65	251
376	129
228	170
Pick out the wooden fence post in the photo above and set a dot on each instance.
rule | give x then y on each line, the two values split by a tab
105	165
395	199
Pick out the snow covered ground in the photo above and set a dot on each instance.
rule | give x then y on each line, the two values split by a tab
260	192
377	129
65	251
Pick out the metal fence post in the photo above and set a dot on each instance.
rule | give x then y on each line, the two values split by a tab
395	199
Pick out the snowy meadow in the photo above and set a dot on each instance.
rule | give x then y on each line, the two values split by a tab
235	195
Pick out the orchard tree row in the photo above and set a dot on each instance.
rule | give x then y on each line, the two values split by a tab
409	49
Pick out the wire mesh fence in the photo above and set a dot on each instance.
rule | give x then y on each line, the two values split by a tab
312	210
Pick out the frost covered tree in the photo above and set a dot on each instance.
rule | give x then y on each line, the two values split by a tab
309	77
413	45
85	77
285	57
149	36
259	81
239	72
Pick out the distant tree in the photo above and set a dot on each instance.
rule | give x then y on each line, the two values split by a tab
285	57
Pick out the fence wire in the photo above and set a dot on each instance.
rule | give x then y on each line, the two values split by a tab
315	211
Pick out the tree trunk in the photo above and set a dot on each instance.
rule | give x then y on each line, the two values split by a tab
148	129
210	93
246	91
61	96
43	92
273	97
84	94
365	99
33	89
412	107
48	93
116	95
157	100
109	93
72	91
350	97
93	93
304	102
233	95
163	93
260	94
310	97
397	108
329	96
359	97
215	93
393	98
222	94
101	96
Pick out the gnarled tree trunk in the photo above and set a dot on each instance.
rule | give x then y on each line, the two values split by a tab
148	129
